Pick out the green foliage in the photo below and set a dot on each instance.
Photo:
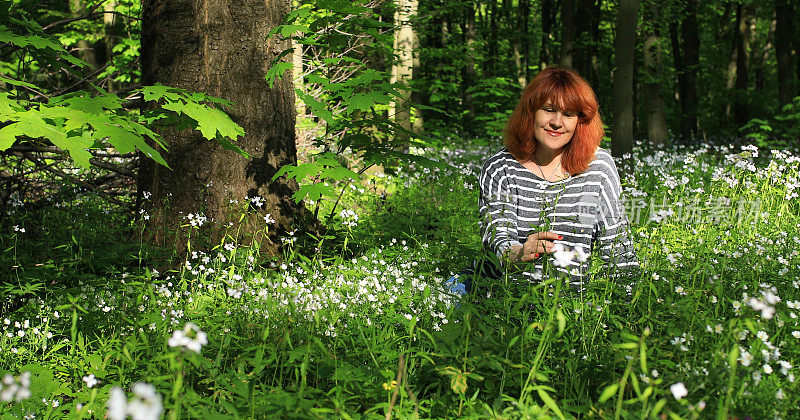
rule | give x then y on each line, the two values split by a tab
78	122
328	329
780	131
347	96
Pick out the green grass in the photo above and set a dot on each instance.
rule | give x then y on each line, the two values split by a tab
365	326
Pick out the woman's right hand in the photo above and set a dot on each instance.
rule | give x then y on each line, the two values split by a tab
538	243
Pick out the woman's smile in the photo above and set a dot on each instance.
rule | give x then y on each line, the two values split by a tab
553	127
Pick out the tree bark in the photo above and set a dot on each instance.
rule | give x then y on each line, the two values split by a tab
405	43
220	48
624	47
655	113
489	68
686	53
468	74
548	17
568	30
111	31
761	59
730	72
85	49
525	44
740	108
583	41
784	31
691	62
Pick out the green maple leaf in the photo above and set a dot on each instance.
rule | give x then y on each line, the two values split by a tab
86	103
313	192
158	91
30	124
210	121
126	141
276	72
365	101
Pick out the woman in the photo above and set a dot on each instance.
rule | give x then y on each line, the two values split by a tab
552	191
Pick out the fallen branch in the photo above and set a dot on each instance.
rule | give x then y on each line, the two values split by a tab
74	180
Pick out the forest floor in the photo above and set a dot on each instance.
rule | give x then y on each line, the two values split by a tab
367	328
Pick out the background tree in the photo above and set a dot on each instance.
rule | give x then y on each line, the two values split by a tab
223	49
743	34
622	129
650	77
406	43
784	32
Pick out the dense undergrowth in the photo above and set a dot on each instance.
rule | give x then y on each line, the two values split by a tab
360	323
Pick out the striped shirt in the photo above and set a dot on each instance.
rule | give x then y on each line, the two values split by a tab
584	209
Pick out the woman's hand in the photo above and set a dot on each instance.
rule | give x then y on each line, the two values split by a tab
538	243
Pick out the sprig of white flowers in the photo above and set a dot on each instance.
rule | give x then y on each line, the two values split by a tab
190	337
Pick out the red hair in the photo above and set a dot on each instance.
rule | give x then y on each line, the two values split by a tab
569	92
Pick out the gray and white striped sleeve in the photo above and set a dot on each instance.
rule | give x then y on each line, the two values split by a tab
612	233
498	211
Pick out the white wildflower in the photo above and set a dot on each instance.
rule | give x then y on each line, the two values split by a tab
90	380
145	405
190	337
678	390
15	388
562	256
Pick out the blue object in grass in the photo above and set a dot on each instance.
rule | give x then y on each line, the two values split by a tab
460	284
454	285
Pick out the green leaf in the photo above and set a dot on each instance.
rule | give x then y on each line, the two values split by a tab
338	173
17	82
313	192
562	321
289	30
8	107
126	141
316	106
549	402
276	71
365	101
210	121
608	392
159	91
298	172
32	125
86	103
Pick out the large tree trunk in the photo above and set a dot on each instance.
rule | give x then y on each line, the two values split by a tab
583	41
468	74
657	132
730	71
525	44
514	40
691	62
594	60
85	49
568	30
740	108
111	31
783	49
763	57
624	48
548	17
489	64
405	43
686	53
220	48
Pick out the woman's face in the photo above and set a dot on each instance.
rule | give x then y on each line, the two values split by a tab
553	128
